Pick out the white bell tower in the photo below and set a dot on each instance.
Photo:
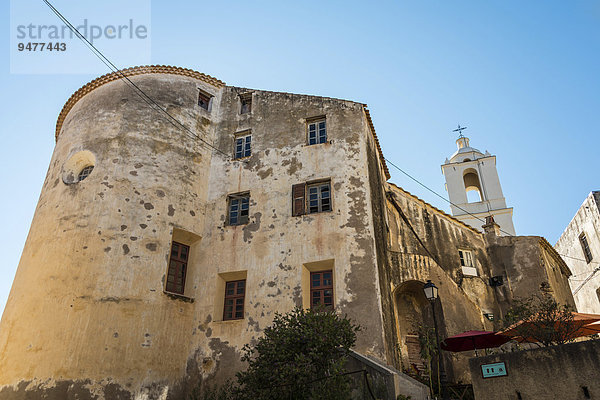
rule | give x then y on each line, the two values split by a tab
474	188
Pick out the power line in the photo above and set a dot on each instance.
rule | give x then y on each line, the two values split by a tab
176	123
459	207
439	195
145	97
586	280
580	259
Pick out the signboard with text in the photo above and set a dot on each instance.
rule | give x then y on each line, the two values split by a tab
494	370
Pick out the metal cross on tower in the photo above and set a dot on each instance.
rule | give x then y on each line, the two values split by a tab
459	130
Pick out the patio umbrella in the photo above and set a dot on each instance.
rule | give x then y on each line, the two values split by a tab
581	325
473	340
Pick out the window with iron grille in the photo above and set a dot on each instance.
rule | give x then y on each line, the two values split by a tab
243	144
178	261
319	197
321	289
204	99
585	247
317	131
239	208
84	173
466	258
246	103
234	300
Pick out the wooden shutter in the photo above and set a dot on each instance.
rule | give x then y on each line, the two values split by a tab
298	199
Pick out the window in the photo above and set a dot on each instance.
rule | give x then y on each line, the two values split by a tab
466	263
177	268
317	131
204	99
234	300
319	198
85	173
239	207
321	289
466	258
246	103
585	247
243	142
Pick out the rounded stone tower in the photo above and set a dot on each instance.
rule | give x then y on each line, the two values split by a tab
87	316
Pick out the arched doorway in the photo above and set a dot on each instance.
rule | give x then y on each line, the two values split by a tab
414	317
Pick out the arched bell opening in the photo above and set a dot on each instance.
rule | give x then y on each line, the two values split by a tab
472	186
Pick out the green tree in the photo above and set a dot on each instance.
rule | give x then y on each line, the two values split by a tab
542	319
301	356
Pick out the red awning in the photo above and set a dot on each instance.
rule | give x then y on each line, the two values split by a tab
473	340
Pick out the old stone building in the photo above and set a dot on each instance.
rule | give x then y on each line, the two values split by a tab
157	251
580	245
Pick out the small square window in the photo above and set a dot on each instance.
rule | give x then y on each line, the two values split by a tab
319	197
466	258
317	131
321	289
246	103
239	209
243	146
204	99
235	291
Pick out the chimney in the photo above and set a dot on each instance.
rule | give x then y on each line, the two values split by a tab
491	227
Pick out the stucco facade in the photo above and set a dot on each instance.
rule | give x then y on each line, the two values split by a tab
580	245
89	314
88	307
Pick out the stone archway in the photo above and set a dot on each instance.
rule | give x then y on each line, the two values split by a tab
413	310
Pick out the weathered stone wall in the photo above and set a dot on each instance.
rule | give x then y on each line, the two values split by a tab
87	309
586	220
424	244
87	315
276	248
530	265
558	372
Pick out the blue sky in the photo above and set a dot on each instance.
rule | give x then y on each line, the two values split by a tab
523	76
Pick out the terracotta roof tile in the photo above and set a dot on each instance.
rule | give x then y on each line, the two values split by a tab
133	71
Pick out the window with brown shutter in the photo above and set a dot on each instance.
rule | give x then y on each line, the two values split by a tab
235	292
321	289
298	199
178	261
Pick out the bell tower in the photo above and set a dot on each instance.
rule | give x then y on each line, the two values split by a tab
474	187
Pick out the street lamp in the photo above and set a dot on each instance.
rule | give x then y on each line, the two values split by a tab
431	293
